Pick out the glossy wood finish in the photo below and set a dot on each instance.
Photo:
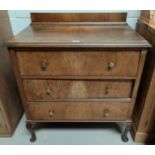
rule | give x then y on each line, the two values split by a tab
44	90
10	104
78	17
78	35
79	63
74	62
78	111
144	122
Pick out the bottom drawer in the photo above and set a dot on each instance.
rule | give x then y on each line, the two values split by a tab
78	111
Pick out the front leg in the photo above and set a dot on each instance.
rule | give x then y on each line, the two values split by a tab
31	126
127	129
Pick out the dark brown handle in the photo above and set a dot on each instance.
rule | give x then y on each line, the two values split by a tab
44	65
106	113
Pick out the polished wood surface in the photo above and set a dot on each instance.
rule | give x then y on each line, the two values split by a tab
66	68
144	123
42	90
76	111
78	17
10	104
78	35
79	63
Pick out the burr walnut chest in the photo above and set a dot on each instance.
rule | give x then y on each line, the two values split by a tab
74	68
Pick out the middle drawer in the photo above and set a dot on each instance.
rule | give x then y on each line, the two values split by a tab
45	90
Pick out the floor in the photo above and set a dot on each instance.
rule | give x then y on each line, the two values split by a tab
88	134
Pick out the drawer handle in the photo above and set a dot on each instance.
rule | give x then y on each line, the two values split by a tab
106	113
111	65
51	113
108	90
44	65
48	91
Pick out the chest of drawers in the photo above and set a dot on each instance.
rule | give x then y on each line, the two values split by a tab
77	69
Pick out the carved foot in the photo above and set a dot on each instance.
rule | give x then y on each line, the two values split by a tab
31	126
126	131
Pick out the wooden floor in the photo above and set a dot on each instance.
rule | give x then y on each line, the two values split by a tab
90	134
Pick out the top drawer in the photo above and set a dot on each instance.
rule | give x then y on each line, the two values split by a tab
75	63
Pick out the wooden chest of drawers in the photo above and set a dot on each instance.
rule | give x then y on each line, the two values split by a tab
78	72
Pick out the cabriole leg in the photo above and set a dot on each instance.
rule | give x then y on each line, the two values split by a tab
31	126
127	129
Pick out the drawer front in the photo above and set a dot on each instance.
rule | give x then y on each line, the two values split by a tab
87	111
94	63
2	122
46	90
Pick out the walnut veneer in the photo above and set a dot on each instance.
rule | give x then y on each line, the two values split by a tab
75	68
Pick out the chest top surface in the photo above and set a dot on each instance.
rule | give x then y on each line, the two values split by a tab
77	34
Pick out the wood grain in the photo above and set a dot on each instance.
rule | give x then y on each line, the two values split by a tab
144	122
77	35
46	90
78	17
19	80
147	124
78	111
10	104
138	80
79	63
